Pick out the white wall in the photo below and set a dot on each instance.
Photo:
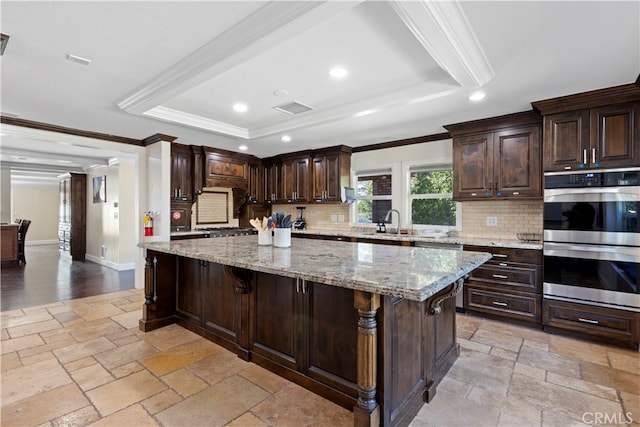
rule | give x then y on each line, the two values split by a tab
5	195
397	159
40	205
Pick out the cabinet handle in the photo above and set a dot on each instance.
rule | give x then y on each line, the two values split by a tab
503	264
593	322
304	286
474	194
501	304
500	276
499	255
593	156
584	156
298	286
490	184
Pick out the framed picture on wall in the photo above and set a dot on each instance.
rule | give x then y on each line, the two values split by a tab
100	189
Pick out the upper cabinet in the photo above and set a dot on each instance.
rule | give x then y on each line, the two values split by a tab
597	129
181	173
498	157
331	170
225	169
295	177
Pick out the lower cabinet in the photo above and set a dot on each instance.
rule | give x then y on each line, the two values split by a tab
607	324
507	286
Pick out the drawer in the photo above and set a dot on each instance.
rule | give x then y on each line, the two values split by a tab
524	278
521	307
509	255
598	321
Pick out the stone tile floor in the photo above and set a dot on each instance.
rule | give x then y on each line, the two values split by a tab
84	362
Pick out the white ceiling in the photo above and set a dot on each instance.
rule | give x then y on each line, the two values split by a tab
176	68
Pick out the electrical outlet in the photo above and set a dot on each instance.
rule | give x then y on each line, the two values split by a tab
334	218
492	221
340	218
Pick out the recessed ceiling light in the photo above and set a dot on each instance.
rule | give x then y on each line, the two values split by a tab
365	113
280	92
243	148
477	96
78	59
285	138
240	107
338	72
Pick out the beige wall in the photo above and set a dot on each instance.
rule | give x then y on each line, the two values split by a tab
40	205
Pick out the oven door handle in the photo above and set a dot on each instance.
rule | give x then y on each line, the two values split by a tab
592	194
608	253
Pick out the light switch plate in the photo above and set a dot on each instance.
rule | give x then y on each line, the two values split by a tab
492	221
334	217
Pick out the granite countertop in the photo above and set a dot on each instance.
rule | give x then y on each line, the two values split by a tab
475	241
409	272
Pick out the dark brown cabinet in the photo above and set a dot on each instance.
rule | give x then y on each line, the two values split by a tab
604	137
255	189
497	158
198	169
225	169
72	226
295	178
507	286
273	180
330	171
605	324
181	173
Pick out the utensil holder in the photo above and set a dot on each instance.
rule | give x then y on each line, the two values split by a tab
264	238
282	237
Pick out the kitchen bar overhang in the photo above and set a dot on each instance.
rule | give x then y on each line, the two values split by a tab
386	285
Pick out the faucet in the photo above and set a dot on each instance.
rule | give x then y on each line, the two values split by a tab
388	217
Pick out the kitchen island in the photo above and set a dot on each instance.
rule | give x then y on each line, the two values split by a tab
370	327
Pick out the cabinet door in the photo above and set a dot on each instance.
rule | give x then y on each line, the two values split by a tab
295	179
189	289
319	180
516	167
221	309
256	185
272	178
566	137
277	323
472	167
198	170
615	136
332	333
334	177
181	181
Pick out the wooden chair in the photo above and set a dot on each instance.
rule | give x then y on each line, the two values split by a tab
22	236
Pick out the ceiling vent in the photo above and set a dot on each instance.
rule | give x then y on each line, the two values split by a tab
293	108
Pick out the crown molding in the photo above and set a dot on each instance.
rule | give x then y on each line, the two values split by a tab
443	30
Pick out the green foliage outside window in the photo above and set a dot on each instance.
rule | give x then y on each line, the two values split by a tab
433	210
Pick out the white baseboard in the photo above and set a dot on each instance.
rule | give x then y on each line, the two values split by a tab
41	242
110	264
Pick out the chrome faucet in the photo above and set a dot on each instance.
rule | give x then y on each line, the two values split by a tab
388	217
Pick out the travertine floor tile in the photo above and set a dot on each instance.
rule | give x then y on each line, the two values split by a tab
496	339
36	358
591	352
566	401
33	328
128	369
133	416
247	420
474	346
505	354
91	330
38	409
124	392
180	356
483	370
621	380
216	405
625	361
80	363
119	356
97	311
448	409
14	321
50	346
263	378
220	365
184	382
549	362
161	401
91	377
129	319
295	406
30	380
583	386
530	371
9	361
4	335
523	332
631	404
513	412
78	418
83	349
169	336
17	344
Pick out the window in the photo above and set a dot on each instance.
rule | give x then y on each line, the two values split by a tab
430	197
373	197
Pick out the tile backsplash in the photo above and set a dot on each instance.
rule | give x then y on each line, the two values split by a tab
320	216
513	216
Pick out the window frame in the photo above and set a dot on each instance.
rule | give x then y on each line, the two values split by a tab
354	208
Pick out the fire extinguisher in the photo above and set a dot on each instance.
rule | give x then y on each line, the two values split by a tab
148	224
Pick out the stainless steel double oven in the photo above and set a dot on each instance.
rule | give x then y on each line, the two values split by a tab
592	237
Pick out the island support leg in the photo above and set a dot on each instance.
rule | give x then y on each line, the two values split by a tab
149	306
367	411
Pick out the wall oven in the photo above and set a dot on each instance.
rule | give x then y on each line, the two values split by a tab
591	237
